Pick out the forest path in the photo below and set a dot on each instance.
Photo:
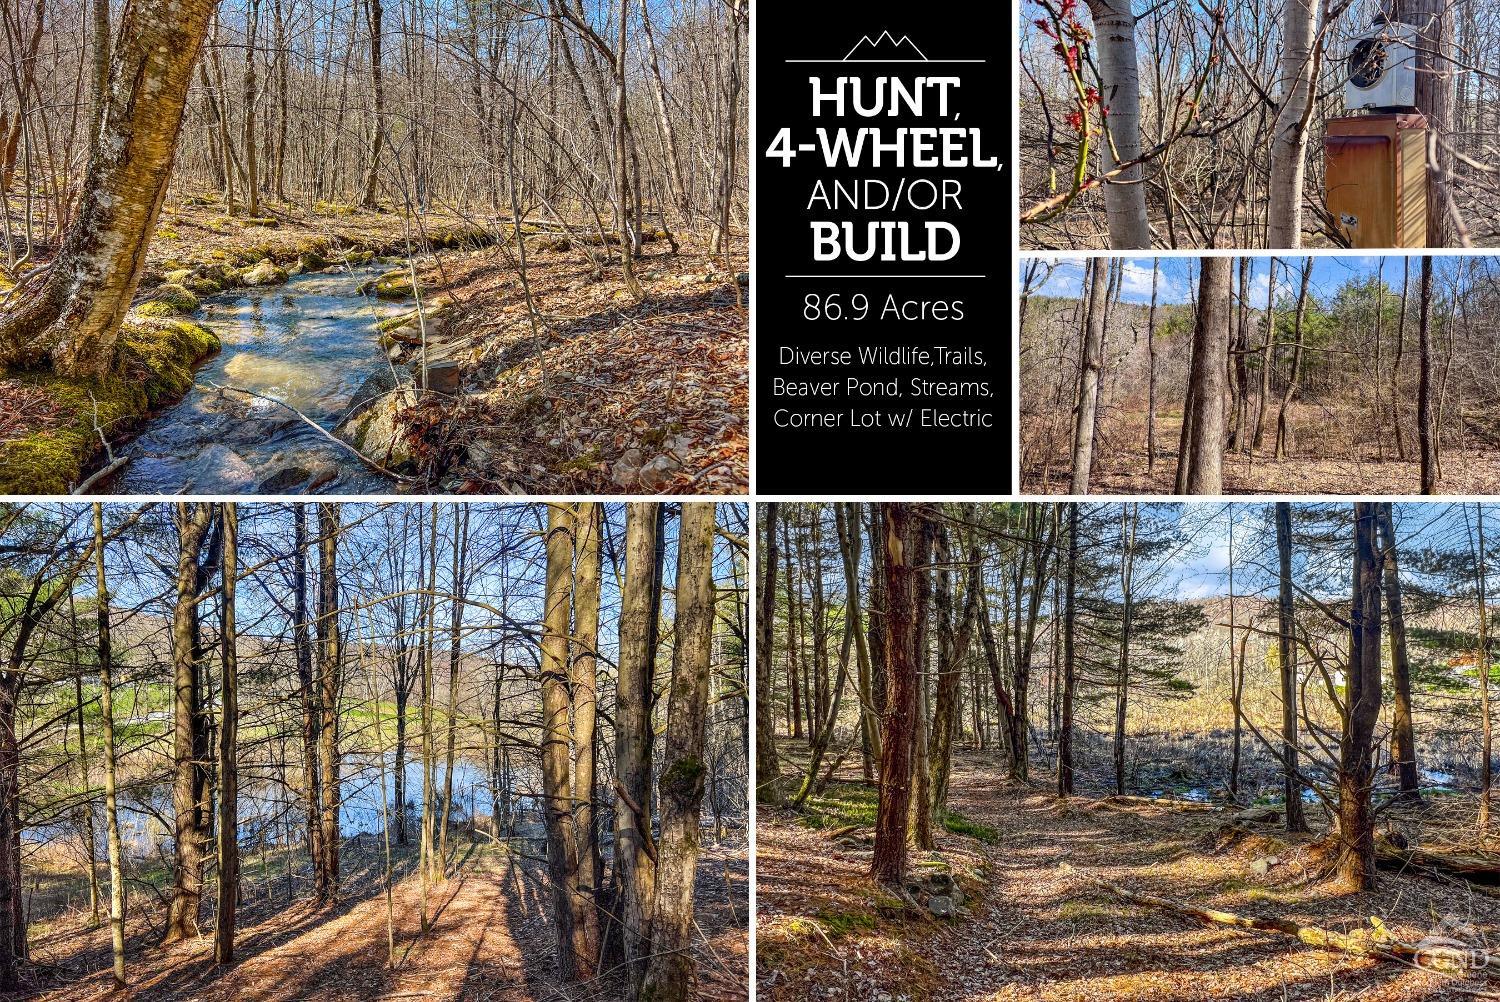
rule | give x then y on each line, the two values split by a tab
1040	932
490	939
481	919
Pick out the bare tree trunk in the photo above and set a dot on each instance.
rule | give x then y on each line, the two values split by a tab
1294	80
189	733
557	785
74	319
1090	366
107	712
1129	524
1287	654
330	681
1267	358
373	15
1403	742
1356	831
767	764
640	608
585	684
1426	443
1065	729
1435	72
1200	458
1125	195
889	862
1291	380
252	179
1151	373
1483	664
670	970
311	717
229	820
455	634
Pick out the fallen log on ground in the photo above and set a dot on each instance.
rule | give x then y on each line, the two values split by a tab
1476	868
1376	942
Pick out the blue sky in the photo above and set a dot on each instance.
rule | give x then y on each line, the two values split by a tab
1178	275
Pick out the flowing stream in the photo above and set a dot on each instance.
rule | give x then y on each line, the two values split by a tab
310	343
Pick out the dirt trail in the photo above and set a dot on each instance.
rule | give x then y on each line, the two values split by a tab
1039	932
490	938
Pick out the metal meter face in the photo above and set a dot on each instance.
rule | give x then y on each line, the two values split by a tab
1367	63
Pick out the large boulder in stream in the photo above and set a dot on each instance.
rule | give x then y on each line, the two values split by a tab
268	272
375	428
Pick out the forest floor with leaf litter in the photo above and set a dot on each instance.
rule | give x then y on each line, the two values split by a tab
1038	927
491	938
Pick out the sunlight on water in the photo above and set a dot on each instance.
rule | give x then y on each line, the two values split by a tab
309	343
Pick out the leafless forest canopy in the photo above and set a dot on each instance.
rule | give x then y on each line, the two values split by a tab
1321	381
1186	124
281	750
409	104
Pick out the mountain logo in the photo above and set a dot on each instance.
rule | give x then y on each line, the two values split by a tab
885	46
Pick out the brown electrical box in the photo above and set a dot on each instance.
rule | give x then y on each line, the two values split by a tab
1376	178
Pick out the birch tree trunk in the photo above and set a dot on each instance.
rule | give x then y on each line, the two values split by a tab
1289	139
74	319
1125	195
669	972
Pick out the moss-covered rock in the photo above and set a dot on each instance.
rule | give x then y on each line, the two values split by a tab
179	276
169	298
203	285
155	359
267	272
395	284
269	222
360	256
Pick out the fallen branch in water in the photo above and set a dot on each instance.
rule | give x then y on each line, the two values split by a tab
372	464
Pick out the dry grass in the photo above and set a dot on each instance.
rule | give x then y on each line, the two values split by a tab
1324	458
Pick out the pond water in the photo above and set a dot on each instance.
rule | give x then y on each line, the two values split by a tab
269	815
310	343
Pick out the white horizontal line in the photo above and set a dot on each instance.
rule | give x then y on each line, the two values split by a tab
885	276
885	60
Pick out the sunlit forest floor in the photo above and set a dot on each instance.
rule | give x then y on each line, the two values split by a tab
581	389
1036	926
1322	460
490	938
